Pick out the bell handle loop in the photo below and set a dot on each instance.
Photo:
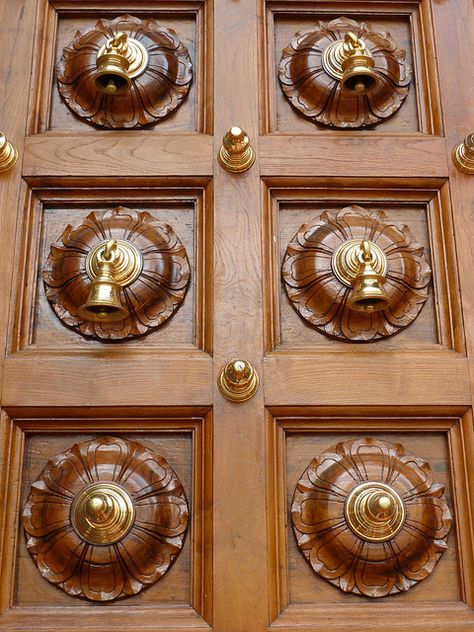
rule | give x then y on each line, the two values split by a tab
118	43
352	43
109	253
365	252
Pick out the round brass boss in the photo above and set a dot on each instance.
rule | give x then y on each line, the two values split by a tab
374	512
238	380
126	266
333	57
102	514
346	262
136	55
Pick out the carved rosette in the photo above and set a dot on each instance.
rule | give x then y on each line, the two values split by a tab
320	298
318	95
368	555
152	298
154	94
105	519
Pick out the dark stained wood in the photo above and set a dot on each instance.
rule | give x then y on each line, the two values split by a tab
142	556
151	299
320	298
320	97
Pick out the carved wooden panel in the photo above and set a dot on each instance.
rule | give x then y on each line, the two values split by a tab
427	213
154	295
184	206
310	86
105	519
154	93
317	292
409	26
368	517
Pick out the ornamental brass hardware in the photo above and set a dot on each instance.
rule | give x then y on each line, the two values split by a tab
344	74
463	155
8	154
356	276
104	263
362	266
368	517
123	287
124	73
349	61
120	60
238	380
236	154
105	519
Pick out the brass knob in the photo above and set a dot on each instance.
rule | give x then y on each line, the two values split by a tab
8	154
236	154
374	512
238	380
463	155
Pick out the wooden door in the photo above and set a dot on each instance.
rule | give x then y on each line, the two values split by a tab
240	569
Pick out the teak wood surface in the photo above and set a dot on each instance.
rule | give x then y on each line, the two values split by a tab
240	570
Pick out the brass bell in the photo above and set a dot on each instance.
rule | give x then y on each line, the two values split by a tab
112	76
358	75
103	303
368	293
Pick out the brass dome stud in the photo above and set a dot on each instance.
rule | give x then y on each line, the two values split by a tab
238	380
463	155
8	154
236	154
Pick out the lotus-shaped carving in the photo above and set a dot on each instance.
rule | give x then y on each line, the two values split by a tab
151	542
320	298
154	93
331	546
151	299
318	95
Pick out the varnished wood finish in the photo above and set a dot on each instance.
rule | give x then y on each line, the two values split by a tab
320	96
345	558
320	298
151	299
142	555
240	568
154	94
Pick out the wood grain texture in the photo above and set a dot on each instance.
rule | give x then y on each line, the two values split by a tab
320	298
116	154
154	94
151	299
142	555
361	156
320	97
327	540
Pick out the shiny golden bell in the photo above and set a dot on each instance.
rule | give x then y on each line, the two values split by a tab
103	303
358	73
368	293
112	76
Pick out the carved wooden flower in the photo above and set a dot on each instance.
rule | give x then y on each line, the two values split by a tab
332	548
102	572
318	95
151	299
154	94
320	298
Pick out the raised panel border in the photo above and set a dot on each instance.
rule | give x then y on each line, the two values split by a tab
49	13
433	192
425	73
16	424
456	424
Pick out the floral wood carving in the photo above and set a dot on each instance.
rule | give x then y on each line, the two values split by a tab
154	93
319	96
332	548
151	299
151	540
320	298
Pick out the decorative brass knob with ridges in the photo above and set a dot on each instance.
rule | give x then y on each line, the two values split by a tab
236	154
8	154
238	380
463	155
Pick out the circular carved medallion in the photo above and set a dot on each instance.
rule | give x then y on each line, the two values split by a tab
160	75
369	519
105	519
319	294
317	93
155	281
